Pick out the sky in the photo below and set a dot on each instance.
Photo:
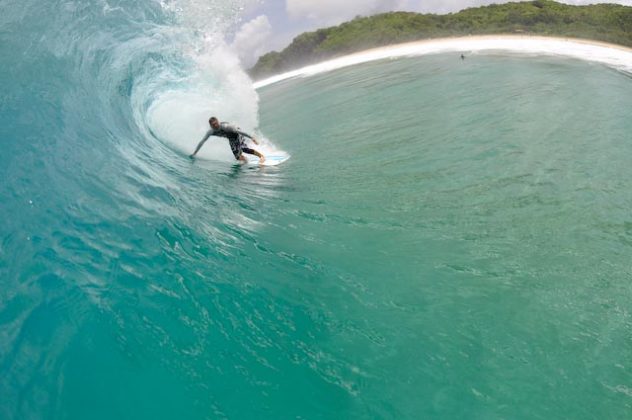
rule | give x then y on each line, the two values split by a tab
270	25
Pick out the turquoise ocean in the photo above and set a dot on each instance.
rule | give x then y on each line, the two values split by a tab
450	239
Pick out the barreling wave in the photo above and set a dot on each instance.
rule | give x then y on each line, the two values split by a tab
126	67
104	88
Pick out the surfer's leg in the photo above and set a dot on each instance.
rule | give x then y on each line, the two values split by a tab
239	156
254	152
235	147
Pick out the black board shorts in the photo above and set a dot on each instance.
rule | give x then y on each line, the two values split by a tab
238	146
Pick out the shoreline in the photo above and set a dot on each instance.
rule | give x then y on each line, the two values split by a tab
613	55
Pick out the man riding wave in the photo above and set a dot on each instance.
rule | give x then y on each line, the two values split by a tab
236	139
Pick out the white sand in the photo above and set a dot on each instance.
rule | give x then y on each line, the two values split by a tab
615	56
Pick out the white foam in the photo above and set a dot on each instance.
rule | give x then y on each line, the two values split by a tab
218	87
610	55
198	76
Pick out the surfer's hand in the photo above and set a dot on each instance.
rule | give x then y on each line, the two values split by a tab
191	157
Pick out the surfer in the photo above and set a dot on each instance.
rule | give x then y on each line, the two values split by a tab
236	139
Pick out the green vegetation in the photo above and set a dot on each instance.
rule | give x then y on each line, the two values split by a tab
603	22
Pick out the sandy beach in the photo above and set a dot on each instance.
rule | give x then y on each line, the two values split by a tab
616	56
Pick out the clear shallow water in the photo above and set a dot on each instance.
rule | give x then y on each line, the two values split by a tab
449	239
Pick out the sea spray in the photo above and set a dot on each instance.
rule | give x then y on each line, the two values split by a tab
213	83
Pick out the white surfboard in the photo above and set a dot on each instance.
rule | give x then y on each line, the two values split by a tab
272	159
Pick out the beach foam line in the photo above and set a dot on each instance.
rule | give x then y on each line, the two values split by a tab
611	55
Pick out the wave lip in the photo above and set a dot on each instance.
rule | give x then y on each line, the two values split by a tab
615	56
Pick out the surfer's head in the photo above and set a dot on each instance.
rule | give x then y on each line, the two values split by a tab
214	122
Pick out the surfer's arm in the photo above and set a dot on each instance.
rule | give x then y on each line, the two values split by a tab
201	143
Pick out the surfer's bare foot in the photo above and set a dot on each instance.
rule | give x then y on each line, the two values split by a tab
262	159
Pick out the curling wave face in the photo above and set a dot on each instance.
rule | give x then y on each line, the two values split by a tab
110	88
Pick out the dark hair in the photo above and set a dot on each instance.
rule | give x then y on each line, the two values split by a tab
212	120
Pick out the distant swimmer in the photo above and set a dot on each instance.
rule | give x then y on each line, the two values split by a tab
236	139
462	57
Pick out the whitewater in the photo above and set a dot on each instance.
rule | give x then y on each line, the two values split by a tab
450	239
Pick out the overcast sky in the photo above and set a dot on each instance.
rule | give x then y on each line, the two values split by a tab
272	24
